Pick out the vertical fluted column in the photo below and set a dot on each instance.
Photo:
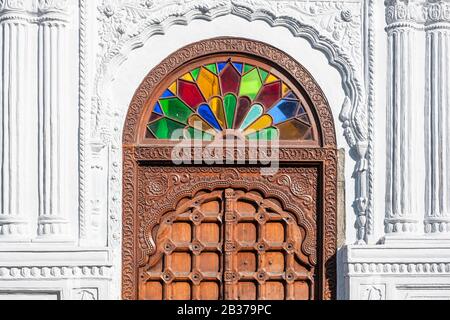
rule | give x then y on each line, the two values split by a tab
404	123
437	27
53	223
14	27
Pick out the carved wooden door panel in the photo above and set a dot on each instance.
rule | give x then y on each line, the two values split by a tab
235	244
188	264
263	258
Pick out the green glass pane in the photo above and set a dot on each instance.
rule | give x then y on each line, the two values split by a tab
250	84
255	112
165	128
264	74
195	134
248	67
175	109
230	102
212	67
268	134
195	73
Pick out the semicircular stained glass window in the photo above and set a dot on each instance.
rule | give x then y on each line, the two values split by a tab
230	96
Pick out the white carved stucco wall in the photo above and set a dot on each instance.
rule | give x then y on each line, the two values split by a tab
113	44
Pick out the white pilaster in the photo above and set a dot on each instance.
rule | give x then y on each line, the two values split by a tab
53	223
14	93
404	204
437	27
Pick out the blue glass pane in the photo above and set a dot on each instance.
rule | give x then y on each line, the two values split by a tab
221	66
157	109
301	110
239	66
283	111
291	95
206	113
167	94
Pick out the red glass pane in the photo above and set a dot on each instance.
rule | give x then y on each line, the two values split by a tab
243	108
230	80
154	117
190	94
269	94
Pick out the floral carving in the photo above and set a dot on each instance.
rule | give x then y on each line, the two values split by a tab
157	186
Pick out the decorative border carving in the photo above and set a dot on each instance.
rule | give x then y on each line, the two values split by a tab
399	268
55	272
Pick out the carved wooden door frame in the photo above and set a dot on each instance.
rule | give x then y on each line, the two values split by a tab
160	152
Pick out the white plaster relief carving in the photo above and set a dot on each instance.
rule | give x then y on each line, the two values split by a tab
55	272
83	116
398	268
404	13
86	294
14	29
437	219
52	222
403	185
373	292
437	11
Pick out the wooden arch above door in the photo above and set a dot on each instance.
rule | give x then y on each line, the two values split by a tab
160	200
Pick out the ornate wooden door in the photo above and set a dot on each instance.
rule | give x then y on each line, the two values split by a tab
225	230
228	244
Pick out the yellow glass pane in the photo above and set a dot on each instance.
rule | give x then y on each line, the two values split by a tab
208	83
285	89
271	79
198	123
264	122
216	106
173	88
188	77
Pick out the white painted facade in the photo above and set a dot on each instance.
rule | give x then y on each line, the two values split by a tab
69	69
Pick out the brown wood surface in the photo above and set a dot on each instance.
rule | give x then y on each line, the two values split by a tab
231	245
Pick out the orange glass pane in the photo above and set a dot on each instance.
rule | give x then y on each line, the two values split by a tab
208	83
293	130
216	105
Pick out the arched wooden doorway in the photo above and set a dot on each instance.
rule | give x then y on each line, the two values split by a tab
227	231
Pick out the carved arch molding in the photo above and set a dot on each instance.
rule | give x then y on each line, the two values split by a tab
300	198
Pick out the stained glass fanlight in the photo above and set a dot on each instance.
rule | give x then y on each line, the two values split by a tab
230	96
